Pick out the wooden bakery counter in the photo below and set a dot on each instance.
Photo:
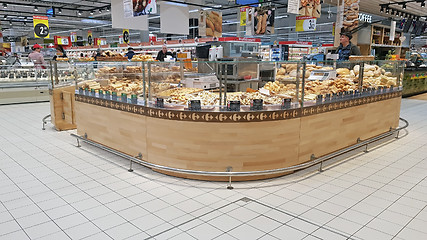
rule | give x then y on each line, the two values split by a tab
244	141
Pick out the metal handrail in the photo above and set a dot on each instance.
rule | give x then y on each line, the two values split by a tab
247	173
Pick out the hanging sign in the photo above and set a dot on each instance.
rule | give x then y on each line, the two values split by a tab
263	21
121	39
310	8
89	37
62	40
210	23
392	30
293	6
139	7
126	36
305	24
73	36
243	16
250	21
41	26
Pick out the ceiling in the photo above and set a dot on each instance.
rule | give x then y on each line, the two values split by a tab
16	19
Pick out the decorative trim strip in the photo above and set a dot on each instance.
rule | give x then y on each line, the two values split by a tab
255	116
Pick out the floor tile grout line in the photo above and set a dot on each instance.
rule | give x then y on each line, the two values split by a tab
60	198
41	211
425	207
14	219
296	216
390	204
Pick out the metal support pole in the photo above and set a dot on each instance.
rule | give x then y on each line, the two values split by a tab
78	143
397	135
229	187
366	148
130	167
320	167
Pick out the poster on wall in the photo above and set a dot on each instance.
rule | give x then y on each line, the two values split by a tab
41	26
350	15
263	20
310	8
210	23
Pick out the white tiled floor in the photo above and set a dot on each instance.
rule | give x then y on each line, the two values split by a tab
49	189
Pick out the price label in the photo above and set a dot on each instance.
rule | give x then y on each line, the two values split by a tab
64	41
126	37
73	37
41	26
89	37
305	24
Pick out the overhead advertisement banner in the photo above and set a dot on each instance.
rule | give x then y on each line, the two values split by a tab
310	8
126	36
351	15
41	26
174	19
263	21
124	19
134	8
89	38
210	23
305	24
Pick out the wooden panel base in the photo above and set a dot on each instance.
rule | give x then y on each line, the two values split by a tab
327	132
243	146
62	108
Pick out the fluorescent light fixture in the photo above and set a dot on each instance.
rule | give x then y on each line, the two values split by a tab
36	9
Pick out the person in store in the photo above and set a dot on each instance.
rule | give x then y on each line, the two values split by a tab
37	57
98	54
60	52
346	48
16	60
163	53
130	53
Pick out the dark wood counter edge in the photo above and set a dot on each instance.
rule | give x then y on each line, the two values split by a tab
232	117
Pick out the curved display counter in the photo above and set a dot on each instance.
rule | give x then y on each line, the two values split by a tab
316	118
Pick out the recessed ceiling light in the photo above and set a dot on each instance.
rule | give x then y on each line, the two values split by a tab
92	12
108	9
4	5
79	12
36	9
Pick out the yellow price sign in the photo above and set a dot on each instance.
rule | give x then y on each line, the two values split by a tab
305	24
41	26
126	36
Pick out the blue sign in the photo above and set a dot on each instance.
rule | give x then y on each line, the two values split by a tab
49	12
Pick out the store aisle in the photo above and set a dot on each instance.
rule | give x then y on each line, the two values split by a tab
49	189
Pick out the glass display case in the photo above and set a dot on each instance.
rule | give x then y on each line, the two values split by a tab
19	84
182	86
